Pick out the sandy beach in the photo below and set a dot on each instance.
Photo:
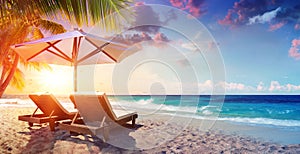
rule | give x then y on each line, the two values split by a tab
16	137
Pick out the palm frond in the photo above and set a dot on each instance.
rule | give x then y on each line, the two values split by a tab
51	26
18	80
37	33
35	65
11	36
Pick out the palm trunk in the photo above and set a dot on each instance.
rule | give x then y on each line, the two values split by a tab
12	71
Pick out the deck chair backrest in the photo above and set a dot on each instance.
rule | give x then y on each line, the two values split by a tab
90	108
107	107
73	101
48	103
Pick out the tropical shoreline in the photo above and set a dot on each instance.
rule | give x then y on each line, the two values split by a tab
147	137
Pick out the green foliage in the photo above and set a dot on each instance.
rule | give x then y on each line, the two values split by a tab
52	27
18	80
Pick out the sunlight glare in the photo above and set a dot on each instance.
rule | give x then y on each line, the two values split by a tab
57	81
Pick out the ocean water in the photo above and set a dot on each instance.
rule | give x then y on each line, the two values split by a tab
265	110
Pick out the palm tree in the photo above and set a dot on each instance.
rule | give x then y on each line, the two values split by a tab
22	21
16	33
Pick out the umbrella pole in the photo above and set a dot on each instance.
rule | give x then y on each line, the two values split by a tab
75	77
74	57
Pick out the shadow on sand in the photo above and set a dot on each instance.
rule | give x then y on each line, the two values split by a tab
42	140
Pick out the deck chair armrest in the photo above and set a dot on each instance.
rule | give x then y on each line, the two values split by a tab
50	116
133	114
34	112
75	117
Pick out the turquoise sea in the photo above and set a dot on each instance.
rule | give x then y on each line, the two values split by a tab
273	110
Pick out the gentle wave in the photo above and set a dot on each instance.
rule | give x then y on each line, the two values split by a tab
147	104
251	121
21	103
208	112
264	121
17	103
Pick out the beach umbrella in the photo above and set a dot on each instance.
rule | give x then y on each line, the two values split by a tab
74	48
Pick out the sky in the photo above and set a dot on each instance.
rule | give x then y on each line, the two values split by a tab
198	47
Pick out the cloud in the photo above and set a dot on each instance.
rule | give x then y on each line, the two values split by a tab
205	46
294	50
194	7
249	12
291	87
266	17
291	12
139	3
275	86
212	45
160	37
189	46
260	87
276	26
297	26
242	11
234	86
231	86
209	85
131	39
177	3
147	20
206	86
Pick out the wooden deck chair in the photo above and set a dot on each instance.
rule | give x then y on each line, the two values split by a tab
52	111
97	115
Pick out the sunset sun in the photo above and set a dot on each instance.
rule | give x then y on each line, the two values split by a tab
57	80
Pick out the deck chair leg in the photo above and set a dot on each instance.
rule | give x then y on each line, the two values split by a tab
52	124
30	124
133	121
105	134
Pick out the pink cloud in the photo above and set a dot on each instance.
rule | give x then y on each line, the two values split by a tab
194	10
276	86
291	87
294	50
160	40
178	3
228	20
276	26
139	3
297	27
194	7
247	12
160	37
260	86
241	11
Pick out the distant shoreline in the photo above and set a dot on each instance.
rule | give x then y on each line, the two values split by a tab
67	95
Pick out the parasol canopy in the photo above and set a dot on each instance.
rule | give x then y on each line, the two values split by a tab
74	48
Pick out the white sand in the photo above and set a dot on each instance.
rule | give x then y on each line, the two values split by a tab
158	134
